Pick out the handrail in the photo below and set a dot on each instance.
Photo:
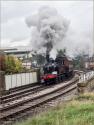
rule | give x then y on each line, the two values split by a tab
86	76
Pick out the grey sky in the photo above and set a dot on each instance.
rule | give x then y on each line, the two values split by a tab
14	30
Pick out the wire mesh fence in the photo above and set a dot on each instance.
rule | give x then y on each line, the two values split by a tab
86	76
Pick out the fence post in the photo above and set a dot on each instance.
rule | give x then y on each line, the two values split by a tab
2	83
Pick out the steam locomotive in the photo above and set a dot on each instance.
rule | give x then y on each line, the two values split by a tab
57	70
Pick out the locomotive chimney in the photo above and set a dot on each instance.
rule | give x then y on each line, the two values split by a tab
47	55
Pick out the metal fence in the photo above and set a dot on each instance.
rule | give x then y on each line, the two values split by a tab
86	76
16	80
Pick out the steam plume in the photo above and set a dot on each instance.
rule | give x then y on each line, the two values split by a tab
48	28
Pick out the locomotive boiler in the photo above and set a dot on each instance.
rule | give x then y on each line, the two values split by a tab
57	70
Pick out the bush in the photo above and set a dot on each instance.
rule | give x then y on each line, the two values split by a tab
13	65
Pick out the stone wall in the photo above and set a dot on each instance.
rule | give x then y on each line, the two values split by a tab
85	86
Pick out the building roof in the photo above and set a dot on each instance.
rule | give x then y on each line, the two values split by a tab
7	48
17	51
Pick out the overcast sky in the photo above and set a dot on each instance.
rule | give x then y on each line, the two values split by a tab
14	31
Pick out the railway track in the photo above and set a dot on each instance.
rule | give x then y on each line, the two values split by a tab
22	93
18	90
11	110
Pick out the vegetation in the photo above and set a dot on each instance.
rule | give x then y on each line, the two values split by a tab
61	52
86	96
79	60
13	65
79	111
39	58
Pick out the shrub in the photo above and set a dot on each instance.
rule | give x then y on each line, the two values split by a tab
13	65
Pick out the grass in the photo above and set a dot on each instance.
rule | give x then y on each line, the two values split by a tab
87	96
76	112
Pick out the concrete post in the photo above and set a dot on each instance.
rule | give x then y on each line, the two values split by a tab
2	83
82	87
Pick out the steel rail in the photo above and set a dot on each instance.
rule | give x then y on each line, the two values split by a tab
31	103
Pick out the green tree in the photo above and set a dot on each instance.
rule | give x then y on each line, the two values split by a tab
61	52
79	61
13	64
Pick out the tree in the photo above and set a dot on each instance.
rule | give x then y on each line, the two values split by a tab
61	52
13	64
79	61
40	59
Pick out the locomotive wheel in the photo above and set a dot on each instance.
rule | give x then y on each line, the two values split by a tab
62	77
47	82
56	80
59	78
66	75
50	81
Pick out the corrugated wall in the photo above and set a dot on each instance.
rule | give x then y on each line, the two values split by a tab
21	79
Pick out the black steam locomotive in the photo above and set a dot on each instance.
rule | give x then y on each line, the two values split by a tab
57	70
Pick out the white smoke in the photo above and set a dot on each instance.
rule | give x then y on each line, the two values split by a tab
47	28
